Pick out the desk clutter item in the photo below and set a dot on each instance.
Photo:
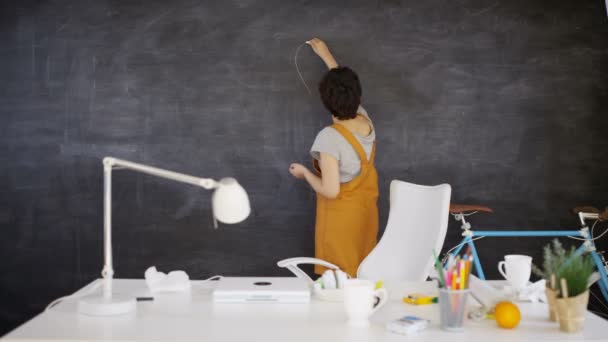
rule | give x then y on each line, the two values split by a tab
568	276
534	292
333	279
551	295
407	325
291	290
420	299
571	311
456	272
571	302
175	281
328	295
507	315
516	269
454	281
452	308
361	300
489	293
485	293
328	287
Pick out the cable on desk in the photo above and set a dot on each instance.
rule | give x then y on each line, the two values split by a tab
93	288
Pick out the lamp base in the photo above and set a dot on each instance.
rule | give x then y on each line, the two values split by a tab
98	305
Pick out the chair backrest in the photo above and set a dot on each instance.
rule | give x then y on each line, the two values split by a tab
417	223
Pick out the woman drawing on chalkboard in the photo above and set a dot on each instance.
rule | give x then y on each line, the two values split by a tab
344	175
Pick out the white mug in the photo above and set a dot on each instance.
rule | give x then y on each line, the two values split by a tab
361	300
516	269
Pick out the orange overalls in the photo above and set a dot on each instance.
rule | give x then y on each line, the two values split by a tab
346	227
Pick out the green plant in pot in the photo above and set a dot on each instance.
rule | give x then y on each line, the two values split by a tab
573	294
554	255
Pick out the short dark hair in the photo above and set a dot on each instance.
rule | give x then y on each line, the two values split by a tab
341	92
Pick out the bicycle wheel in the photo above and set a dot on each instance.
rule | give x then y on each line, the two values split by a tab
598	301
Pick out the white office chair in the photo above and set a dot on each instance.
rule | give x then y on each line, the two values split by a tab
417	223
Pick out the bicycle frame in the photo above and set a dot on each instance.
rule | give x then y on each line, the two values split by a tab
586	246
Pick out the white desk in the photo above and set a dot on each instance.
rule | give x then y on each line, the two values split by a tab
196	318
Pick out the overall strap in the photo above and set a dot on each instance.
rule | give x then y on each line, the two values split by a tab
373	154
353	142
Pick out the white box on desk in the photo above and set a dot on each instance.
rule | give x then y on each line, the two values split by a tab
261	290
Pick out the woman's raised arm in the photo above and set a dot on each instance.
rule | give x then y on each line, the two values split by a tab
321	49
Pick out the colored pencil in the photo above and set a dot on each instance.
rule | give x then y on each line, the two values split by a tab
461	272
439	269
467	271
449	279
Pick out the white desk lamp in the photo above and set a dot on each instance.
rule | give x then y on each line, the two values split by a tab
230	204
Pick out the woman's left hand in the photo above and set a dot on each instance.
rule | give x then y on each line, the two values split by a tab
298	170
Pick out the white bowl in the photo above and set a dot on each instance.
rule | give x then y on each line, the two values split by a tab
329	295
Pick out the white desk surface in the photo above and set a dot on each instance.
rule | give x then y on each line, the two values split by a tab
195	317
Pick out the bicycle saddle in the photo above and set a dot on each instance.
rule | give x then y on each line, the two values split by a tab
603	215
586	209
467	208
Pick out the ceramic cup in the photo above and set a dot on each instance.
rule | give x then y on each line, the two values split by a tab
361	300
516	269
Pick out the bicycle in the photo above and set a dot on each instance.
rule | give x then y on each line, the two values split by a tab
460	211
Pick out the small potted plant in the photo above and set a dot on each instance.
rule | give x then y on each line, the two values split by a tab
573	296
554	255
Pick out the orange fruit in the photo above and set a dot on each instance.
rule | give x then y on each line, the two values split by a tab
507	315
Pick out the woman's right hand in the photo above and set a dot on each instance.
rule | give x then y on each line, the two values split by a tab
321	49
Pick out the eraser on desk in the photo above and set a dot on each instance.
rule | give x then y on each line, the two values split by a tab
145	299
407	325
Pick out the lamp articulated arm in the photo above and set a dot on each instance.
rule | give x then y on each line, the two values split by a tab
111	163
114	163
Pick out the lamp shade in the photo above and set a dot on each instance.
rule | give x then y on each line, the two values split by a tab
230	202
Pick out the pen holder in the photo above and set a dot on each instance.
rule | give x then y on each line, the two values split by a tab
451	308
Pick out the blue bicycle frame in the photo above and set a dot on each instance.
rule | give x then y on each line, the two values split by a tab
587	245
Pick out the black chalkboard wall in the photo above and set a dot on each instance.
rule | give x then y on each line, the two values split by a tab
504	100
